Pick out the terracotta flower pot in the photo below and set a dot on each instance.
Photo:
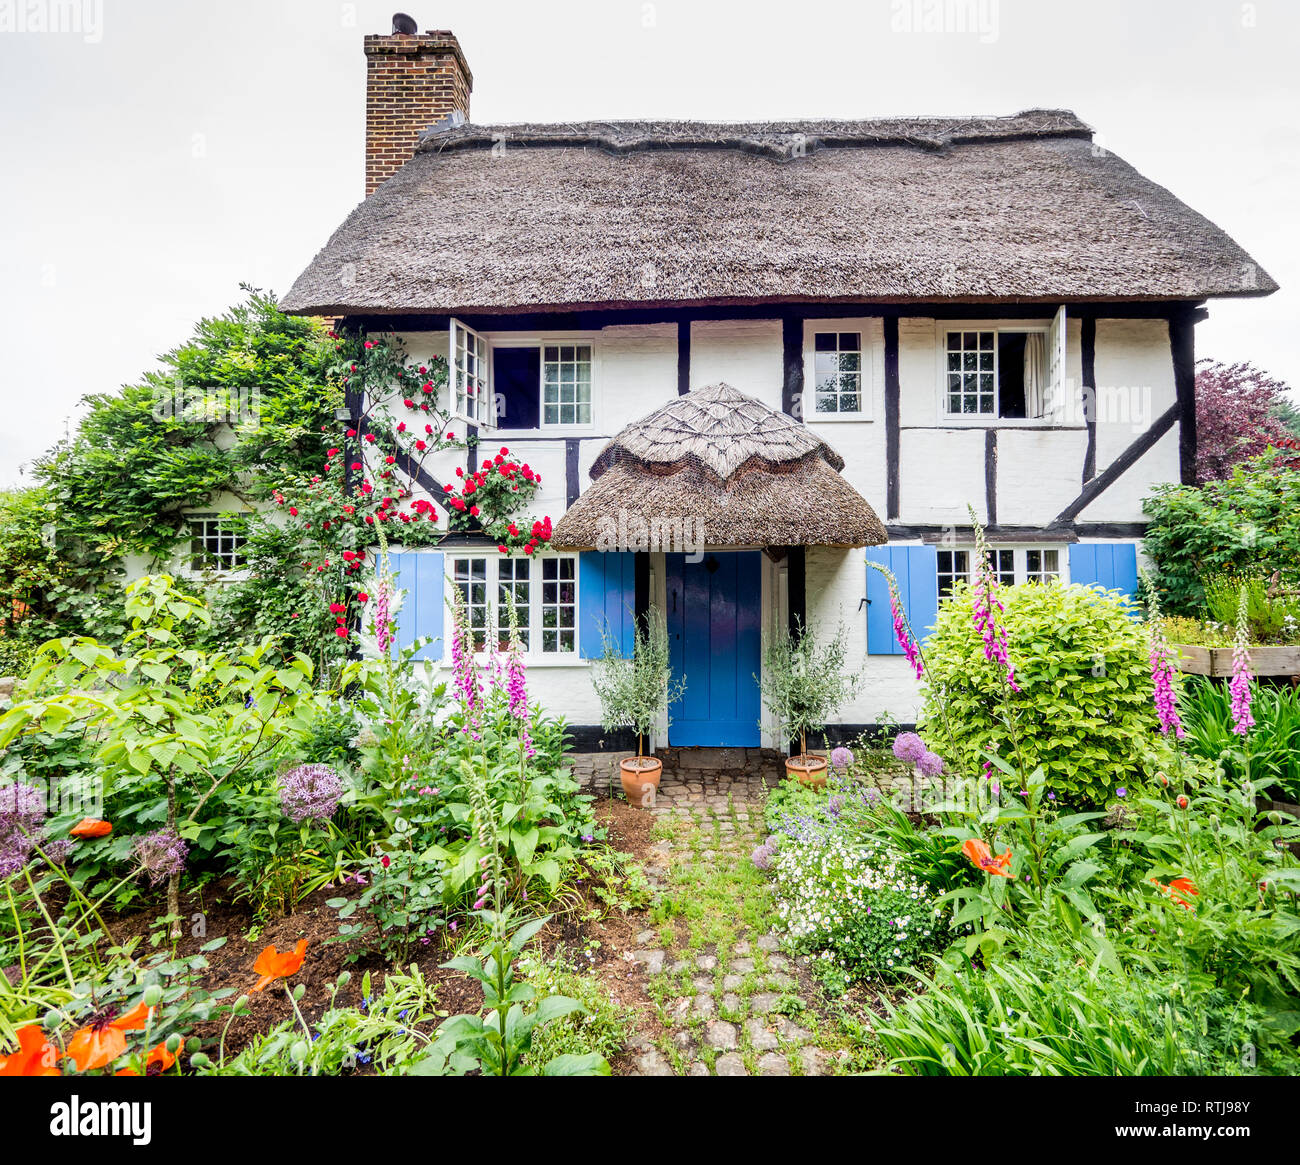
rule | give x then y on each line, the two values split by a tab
640	776
809	769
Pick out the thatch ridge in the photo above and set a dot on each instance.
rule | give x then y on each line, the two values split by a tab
679	214
775	139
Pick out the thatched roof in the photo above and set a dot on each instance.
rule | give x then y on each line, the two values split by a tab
741	474
647	213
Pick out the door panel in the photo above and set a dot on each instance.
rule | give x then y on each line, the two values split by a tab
713	637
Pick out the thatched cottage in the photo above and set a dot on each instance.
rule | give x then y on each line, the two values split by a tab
747	357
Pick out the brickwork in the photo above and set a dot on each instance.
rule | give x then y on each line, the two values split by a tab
412	82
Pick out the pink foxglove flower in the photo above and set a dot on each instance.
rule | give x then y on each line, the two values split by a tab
988	607
1239	686
1162	681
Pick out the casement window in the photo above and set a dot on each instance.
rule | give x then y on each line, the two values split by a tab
837	372
513	383
542	591
1011	565
837	369
471	398
217	542
1004	372
566	384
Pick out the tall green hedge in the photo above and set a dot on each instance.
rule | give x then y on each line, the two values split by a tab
1084	710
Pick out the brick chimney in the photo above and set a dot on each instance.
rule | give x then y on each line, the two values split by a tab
412	82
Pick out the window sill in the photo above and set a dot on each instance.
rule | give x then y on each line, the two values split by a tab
836	418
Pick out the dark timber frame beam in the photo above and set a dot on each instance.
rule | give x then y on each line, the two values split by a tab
893	412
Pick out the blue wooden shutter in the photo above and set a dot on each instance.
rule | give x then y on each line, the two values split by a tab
917	570
1112	565
420	574
606	593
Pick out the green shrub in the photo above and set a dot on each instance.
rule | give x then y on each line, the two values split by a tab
1248	523
1084	710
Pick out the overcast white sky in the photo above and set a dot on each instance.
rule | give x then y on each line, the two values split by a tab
165	150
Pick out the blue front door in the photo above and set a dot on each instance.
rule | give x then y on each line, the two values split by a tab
713	640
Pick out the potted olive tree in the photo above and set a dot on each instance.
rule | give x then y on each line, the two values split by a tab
635	692
804	683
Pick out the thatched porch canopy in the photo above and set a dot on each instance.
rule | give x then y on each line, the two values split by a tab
718	469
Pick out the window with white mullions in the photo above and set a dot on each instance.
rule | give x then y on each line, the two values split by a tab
559	608
999	372
1042	565
217	542
546	613
566	384
954	567
837	372
514	583
470	576
1011	565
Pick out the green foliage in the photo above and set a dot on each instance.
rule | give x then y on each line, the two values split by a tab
804	681
1247	524
1084	711
138	461
603	1027
1045	1015
636	692
1268	753
500	1043
382	1037
1272	613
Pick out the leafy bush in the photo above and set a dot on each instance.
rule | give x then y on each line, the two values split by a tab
1272	614
1084	711
1269	752
1247	524
805	681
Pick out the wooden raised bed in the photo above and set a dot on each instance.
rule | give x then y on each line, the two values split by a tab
1217	661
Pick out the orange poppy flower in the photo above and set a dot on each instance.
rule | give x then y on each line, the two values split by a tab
980	855
102	1040
1178	890
36	1056
91	827
272	964
156	1062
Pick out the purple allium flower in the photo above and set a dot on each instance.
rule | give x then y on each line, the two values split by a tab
1121	792
763	854
1239	685
909	747
59	850
930	764
310	793
841	758
22	824
161	853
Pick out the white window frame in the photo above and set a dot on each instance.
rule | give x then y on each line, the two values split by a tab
1019	552
217	568
469	375
1053	392
541	341
494	613
866	329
